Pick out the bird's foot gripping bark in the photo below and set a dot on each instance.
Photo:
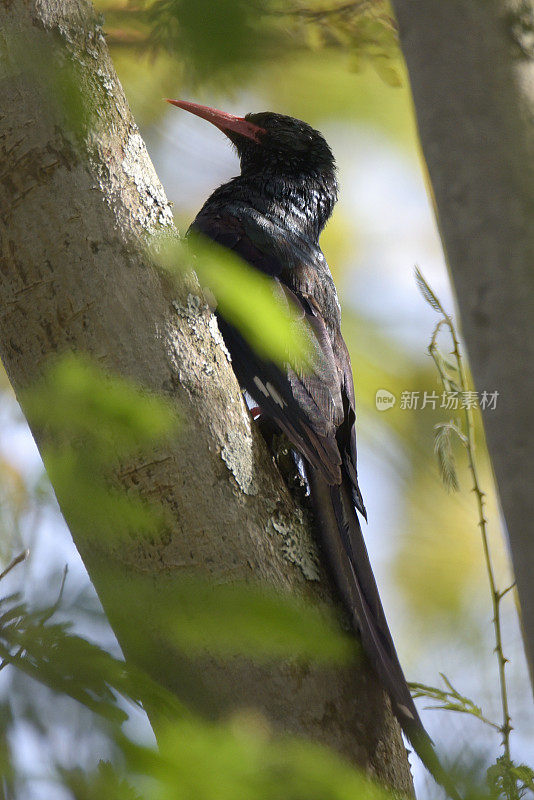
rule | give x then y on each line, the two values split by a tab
288	462
286	459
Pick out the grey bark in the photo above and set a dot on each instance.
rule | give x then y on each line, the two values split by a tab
74	276
472	74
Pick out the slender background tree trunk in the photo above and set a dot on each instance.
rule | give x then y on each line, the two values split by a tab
472	74
74	276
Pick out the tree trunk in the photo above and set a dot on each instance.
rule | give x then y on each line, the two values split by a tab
75	211
472	74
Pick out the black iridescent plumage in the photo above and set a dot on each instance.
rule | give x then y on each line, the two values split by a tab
271	216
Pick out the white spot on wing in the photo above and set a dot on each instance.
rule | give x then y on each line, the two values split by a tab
274	394
406	711
260	386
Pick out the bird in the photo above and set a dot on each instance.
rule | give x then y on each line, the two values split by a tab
271	216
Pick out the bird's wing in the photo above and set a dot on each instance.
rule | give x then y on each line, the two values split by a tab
346	435
306	403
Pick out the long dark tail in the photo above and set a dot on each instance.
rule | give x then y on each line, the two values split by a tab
342	541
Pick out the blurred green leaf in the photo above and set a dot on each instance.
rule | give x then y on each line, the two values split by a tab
229	39
215	38
232	619
77	399
247	298
94	421
15	502
91	503
106	782
7	762
67	663
387	71
195	616
61	80
314	37
202	761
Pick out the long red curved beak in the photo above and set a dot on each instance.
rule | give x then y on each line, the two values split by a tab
225	122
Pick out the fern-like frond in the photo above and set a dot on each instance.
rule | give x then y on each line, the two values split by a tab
443	450
427	292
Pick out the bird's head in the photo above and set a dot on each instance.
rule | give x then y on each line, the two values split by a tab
273	144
